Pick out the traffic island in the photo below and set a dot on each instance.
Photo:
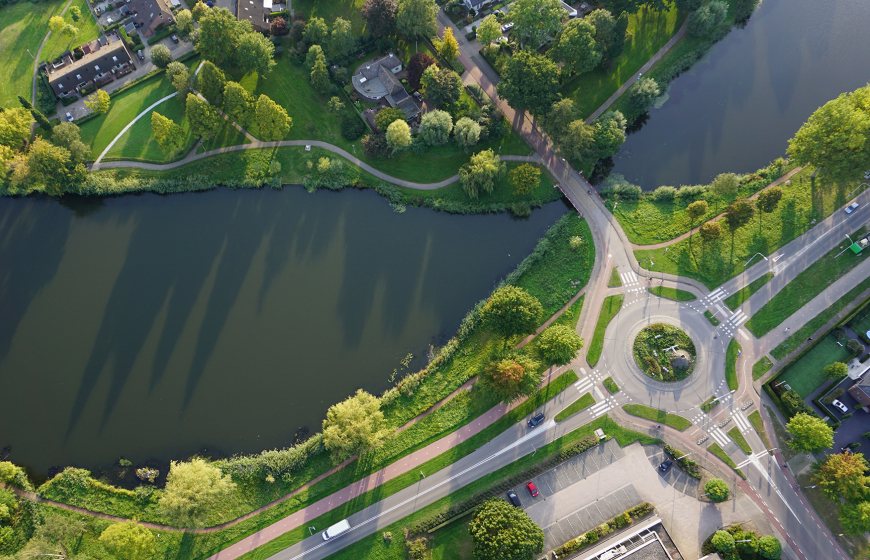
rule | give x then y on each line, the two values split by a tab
664	352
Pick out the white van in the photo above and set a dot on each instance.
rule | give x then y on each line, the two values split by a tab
335	530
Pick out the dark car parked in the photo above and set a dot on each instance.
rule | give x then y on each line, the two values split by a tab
514	499
666	466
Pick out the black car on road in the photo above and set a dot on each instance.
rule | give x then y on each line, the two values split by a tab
536	420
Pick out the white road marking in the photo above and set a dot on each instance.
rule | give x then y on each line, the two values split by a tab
741	421
719	437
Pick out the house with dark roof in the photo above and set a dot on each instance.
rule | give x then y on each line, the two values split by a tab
103	61
860	391
377	80
476	5
255	11
149	15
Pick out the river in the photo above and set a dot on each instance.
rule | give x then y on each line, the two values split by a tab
736	108
152	327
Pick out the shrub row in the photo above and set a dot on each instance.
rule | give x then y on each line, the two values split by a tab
591	537
690	467
465	507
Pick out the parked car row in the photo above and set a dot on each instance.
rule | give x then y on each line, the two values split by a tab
515	500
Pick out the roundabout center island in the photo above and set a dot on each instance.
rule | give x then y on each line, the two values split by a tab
664	352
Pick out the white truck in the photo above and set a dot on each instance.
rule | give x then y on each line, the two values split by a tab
335	530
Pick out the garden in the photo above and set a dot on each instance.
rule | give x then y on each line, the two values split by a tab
664	352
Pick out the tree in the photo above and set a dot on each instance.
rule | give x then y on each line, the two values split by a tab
239	104
836	370
609	32
488	30
448	47
561	114
210	82
380	16
435	127
558	345
836	137
386	116
278	26
642	94
199	9
725	186
398	135
255	53
576	48
480	173
75	13
160	55
512	377
530	81
578	142
46	168
416	66
99	102
855	518
710	232
842	476
169	135
316	31
342	41
688	5
809	433
723	542
707	20
694	211
500	531
319	74
354	426
743	9
204	120
512	311
184	22
441	86
179	76
68	135
15	127
218	38
525	178
536	21
466	132
738	214
335	105
192	489
129	540
56	23
717	490
609	133
273	122
769	547
416	19
767	201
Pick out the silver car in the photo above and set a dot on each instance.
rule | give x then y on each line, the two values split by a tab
851	208
840	405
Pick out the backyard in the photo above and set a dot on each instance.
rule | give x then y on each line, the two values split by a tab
59	42
807	374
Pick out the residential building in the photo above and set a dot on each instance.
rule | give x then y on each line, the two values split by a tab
104	60
149	15
377	80
860	391
255	11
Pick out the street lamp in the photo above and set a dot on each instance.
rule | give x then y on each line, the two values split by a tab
752	257
813	486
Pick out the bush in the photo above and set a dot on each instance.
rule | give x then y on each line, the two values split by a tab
717	490
594	535
664	193
352	127
707	20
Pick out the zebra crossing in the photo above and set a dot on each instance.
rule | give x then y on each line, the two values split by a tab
733	322
584	385
719	436
742	422
629	279
716	295
600	408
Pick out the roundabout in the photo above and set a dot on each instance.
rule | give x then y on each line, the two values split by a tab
697	341
664	352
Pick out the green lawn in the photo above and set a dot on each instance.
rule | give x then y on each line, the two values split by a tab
452	542
331	9
761	367
672	293
88	31
609	309
615	279
716	450
610	385
675	421
22	28
758	424
734	433
648	30
736	299
710	317
731	355
580	404
805	286
571	315
138	143
794	341
713	264
807	373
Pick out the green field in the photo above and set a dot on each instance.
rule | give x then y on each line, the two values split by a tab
648	31
138	143
88	31
22	28
672	293
807	374
609	309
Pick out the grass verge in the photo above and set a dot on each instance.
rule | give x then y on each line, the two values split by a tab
736	299
615	279
761	367
758	424
731	355
611	385
710	317
734	433
582	403
716	450
672	293
609	309
674	421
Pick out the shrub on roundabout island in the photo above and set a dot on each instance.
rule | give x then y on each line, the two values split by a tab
664	352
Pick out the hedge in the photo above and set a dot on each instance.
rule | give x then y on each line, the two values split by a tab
591	537
690	467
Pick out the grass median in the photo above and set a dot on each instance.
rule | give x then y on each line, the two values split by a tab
731	355
609	309
736	299
580	404
674	421
672	293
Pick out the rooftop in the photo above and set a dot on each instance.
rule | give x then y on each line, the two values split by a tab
255	11
98	64
150	14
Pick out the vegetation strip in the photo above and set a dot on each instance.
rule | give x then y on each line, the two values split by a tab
609	309
736	299
610	385
674	421
582	403
758	424
731	355
672	293
716	450
761	367
735	434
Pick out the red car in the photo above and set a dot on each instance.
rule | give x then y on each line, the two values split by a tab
533	490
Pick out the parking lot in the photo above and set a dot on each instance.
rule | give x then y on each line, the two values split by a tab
585	518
